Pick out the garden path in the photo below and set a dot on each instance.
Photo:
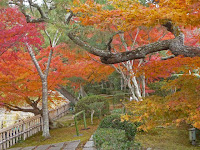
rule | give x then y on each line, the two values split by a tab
69	145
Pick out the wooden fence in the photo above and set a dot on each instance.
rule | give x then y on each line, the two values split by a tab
26	128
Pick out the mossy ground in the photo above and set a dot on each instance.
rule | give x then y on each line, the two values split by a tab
171	138
63	134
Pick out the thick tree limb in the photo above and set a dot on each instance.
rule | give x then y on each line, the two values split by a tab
16	108
67	94
90	49
176	45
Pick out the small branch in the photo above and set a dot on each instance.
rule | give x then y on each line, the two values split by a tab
50	41
69	16
168	57
31	53
90	49
138	30
42	18
48	63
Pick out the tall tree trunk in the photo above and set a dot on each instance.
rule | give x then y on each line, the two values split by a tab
143	85
137	89
45	112
67	94
43	77
82	92
122	85
130	86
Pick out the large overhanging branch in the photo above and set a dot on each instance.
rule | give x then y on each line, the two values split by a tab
176	45
87	47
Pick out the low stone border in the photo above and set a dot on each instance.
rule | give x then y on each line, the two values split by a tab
90	144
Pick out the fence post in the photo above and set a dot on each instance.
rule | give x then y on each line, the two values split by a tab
76	125
23	131
1	141
85	126
4	140
25	128
41	124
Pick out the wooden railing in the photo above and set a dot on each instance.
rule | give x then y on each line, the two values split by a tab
26	128
59	112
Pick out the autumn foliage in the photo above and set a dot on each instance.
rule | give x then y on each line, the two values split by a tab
15	31
20	80
83	65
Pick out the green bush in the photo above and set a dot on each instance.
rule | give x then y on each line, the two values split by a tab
83	103
114	121
117	111
112	139
103	135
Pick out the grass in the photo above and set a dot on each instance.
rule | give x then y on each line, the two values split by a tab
173	138
62	134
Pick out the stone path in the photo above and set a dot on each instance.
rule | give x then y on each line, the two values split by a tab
90	144
72	145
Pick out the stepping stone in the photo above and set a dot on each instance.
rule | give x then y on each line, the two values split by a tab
17	148
56	146
89	144
72	145
91	138
28	148
42	147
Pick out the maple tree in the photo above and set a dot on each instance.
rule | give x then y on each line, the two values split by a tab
181	103
20	35
21	87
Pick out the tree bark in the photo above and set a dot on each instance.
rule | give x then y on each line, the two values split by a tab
43	77
176	46
67	94
45	112
143	85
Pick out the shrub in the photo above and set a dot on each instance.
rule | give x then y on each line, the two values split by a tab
83	103
112	139
103	135
114	121
117	111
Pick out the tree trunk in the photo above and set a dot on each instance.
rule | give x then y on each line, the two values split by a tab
137	89
143	85
67	94
82	92
130	86
45	112
122	85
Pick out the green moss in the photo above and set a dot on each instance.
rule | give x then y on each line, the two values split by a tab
62	135
172	138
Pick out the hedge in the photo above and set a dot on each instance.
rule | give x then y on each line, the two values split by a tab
114	121
113	139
